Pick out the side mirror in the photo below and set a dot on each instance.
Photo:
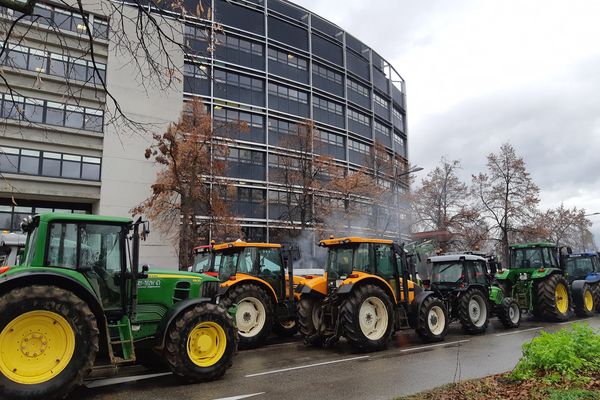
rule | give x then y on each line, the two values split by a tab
144	273
569	250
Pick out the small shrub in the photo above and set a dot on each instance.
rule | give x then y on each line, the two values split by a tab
567	355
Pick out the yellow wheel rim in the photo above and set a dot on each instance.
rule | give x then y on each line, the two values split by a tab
35	347
588	300
562	298
206	344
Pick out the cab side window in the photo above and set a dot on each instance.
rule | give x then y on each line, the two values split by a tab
384	260
62	247
270	261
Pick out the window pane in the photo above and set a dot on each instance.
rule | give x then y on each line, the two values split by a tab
29	165
71	169
74	119
8	162
50	167
62	249
55	116
90	171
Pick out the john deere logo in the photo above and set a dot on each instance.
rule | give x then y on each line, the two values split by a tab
149	283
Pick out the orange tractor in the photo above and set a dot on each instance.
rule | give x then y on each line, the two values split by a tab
365	295
254	286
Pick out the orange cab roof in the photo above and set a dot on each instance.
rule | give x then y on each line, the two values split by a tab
353	239
223	246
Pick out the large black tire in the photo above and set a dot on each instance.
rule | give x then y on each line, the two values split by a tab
586	306
285	328
176	353
473	311
546	301
432	320
596	291
49	301
309	320
259	302
509	313
367	318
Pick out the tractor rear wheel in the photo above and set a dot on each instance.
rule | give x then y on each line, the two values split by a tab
254	316
200	343
552	298
286	328
433	321
586	306
509	313
309	320
473	311
367	317
48	342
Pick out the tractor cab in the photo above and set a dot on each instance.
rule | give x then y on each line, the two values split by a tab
352	259
239	260
458	271
582	266
203	261
538	256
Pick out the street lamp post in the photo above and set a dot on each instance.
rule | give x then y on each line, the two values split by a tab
396	185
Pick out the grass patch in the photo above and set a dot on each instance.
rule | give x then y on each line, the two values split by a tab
564	365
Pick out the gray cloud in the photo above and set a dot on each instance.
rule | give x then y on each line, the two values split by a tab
483	73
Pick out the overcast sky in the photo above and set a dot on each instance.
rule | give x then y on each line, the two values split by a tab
481	73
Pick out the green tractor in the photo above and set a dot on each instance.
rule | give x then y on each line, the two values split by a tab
79	307
535	279
462	281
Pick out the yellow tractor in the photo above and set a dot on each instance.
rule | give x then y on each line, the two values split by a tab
255	286
362	297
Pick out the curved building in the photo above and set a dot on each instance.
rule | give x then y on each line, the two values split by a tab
275	64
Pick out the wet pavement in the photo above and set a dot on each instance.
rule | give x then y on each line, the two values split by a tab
289	369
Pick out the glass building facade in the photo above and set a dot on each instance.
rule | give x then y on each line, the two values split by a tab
275	64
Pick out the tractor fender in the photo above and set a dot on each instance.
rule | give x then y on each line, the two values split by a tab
167	321
245	279
593	279
577	292
64	282
415	305
346	288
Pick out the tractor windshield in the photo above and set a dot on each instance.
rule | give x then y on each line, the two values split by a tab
537	257
342	260
256	261
448	272
579	267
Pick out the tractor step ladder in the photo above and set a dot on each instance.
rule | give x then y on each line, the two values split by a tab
121	341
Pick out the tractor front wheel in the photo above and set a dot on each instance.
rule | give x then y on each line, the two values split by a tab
286	328
433	321
367	318
201	343
586	305
509	313
48	342
552	299
309	320
254	315
473	311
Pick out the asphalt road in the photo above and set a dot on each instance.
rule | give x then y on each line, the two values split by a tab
284	370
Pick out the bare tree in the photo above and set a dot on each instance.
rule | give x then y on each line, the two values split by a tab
506	195
566	226
189	183
442	201
301	174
